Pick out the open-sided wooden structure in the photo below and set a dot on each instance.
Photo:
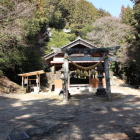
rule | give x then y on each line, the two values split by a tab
81	55
25	78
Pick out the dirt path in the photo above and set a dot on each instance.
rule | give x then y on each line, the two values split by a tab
85	117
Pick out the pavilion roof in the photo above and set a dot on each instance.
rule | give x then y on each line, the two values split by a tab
32	73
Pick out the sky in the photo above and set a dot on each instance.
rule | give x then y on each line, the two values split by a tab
111	6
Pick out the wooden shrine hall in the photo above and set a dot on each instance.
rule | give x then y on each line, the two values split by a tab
83	66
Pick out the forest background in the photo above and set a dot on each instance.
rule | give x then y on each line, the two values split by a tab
30	28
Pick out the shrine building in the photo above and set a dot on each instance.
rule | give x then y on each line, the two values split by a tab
81	67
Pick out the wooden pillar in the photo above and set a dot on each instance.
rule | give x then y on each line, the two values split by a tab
54	69
89	77
106	68
22	83
37	81
27	83
66	70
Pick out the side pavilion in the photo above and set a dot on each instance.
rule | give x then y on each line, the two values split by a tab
26	80
82	66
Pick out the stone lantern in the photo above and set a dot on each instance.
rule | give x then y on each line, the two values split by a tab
100	91
62	78
63	90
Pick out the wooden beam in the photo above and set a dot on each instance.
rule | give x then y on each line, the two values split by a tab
31	73
90	50
87	58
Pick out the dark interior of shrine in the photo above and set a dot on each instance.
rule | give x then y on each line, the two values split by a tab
74	80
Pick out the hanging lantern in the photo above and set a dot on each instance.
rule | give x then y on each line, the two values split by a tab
93	72
85	73
77	72
81	73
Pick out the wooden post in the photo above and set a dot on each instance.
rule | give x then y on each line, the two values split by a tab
54	69
39	80
27	83
89	77
66	70
22	83
106	68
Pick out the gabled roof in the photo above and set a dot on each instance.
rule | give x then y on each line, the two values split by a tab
70	45
79	41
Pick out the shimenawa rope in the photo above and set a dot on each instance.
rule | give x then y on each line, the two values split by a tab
85	68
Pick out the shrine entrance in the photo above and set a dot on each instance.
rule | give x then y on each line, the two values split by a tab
80	79
77	78
84	65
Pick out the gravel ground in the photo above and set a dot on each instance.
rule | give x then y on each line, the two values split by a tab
84	117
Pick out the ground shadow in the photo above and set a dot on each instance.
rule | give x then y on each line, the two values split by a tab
84	117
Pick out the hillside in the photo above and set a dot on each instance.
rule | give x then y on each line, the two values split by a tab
7	86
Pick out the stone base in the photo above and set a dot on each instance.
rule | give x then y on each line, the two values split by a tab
101	92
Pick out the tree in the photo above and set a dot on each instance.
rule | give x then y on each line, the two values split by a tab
108	31
41	11
129	57
103	13
136	1
137	15
17	24
11	31
135	40
68	8
88	28
54	14
127	15
58	39
85	13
